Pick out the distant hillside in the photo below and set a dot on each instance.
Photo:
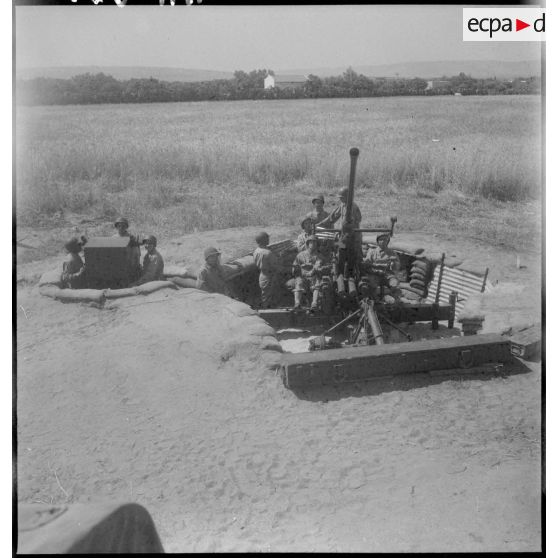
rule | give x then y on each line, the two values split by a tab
125	72
426	70
475	68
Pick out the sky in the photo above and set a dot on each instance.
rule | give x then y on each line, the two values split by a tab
229	38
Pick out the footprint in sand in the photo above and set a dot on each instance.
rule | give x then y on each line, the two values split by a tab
354	478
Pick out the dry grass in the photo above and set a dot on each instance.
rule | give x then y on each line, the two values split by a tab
208	165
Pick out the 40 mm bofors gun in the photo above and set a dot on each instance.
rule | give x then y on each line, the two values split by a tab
358	305
355	295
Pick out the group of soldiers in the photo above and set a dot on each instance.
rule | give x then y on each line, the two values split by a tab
74	270
313	263
316	257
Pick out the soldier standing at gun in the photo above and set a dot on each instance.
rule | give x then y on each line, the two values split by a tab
308	267
267	264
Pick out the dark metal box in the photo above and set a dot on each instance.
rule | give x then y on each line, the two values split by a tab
363	363
109	262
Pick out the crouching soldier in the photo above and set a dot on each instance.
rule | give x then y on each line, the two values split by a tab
211	277
153	264
308	267
73	268
383	264
267	264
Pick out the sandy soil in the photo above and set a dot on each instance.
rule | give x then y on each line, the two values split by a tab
170	400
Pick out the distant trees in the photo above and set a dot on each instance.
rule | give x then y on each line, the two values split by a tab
101	88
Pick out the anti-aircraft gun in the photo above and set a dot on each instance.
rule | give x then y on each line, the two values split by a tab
360	307
356	298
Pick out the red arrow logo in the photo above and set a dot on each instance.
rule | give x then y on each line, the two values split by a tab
519	25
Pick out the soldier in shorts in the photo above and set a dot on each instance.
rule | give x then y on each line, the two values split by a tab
383	264
308	267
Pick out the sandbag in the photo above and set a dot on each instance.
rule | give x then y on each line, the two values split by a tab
120	293
73	295
53	277
152	286
178	271
410	289
418	275
419	265
185	282
239	266
417	284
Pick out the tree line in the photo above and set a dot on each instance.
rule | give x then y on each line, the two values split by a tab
101	88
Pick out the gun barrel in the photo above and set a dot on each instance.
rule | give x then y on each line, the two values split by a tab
349	212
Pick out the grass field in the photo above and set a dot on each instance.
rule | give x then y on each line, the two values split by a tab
180	167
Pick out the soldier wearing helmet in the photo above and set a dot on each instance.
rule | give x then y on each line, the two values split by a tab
73	268
211	276
308	268
383	264
339	214
318	213
268	265
153	264
121	225
306	226
340	211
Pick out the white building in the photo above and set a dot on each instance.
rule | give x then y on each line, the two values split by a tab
284	82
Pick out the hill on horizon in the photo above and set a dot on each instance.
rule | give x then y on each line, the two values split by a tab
425	70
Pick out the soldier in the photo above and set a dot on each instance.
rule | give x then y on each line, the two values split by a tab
339	213
308	267
318	214
121	225
267	264
306	225
73	268
152	269
383	264
211	277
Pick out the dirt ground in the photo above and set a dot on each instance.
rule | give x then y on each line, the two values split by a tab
171	401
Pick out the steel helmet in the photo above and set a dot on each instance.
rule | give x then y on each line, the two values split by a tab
73	245
122	220
305	219
319	197
262	237
210	251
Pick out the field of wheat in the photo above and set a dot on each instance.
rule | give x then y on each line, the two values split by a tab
224	164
